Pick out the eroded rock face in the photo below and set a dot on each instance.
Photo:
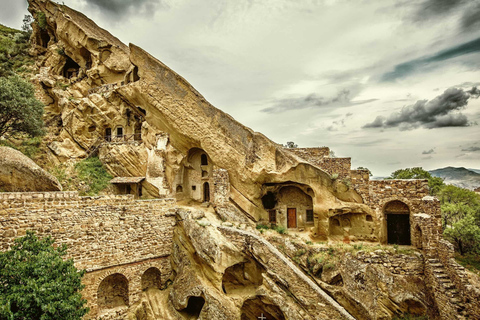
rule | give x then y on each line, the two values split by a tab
98	89
19	173
227	273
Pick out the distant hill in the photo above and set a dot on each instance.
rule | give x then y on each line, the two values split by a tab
460	177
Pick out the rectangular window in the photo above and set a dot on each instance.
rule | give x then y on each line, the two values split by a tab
309	215
272	215
119	132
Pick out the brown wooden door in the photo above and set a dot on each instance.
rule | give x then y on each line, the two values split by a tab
291	218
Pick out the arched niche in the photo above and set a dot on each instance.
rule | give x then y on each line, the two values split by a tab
113	292
397	216
151	278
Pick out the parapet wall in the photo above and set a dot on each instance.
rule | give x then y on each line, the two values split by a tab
100	231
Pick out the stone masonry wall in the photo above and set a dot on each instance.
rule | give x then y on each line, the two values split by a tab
99	231
320	157
104	235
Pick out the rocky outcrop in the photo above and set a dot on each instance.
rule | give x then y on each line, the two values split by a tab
97	88
20	173
226	273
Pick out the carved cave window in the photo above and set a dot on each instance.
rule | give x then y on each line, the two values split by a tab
204	160
309	215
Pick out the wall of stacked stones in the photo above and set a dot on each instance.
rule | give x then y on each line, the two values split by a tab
360	180
403	264
135	273
469	292
320	157
99	231
411	192
105	235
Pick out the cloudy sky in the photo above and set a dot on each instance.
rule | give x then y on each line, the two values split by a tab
390	83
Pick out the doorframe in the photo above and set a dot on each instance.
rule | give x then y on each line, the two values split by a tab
296	218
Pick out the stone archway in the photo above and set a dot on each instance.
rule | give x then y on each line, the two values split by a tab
151	278
113	292
397	215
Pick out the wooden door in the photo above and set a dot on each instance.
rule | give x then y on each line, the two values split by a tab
398	229
291	218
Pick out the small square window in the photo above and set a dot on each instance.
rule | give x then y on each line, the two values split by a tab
309	215
194	188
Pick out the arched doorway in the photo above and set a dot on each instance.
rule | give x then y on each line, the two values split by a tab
151	278
206	192
397	215
113	292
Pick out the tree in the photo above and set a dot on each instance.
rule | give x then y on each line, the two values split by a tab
20	111
291	145
435	184
365	169
36	283
458	203
465	235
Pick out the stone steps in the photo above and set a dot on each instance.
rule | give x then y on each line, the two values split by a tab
449	289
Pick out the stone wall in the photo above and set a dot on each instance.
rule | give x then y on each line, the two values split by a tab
104	235
360	180
411	264
320	157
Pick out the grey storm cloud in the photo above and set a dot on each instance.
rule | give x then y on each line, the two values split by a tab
471	149
431	151
342	99
406	68
119	8
438	9
436	113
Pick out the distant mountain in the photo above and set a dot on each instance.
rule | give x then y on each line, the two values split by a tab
474	170
460	177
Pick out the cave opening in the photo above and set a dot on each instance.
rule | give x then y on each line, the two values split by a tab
269	201
194	307
70	69
257	308
242	277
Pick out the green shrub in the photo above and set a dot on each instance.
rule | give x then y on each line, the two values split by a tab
93	173
281	229
262	227
41	20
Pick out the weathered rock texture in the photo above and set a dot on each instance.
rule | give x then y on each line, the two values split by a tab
20	173
145	121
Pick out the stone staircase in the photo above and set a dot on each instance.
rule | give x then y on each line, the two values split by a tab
448	298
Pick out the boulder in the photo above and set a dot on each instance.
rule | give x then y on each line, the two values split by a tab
20	173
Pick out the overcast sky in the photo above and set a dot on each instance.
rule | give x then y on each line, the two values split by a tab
389	83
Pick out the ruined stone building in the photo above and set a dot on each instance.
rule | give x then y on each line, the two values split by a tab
169	149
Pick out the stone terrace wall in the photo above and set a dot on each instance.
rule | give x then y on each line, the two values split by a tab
411	264
99	231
